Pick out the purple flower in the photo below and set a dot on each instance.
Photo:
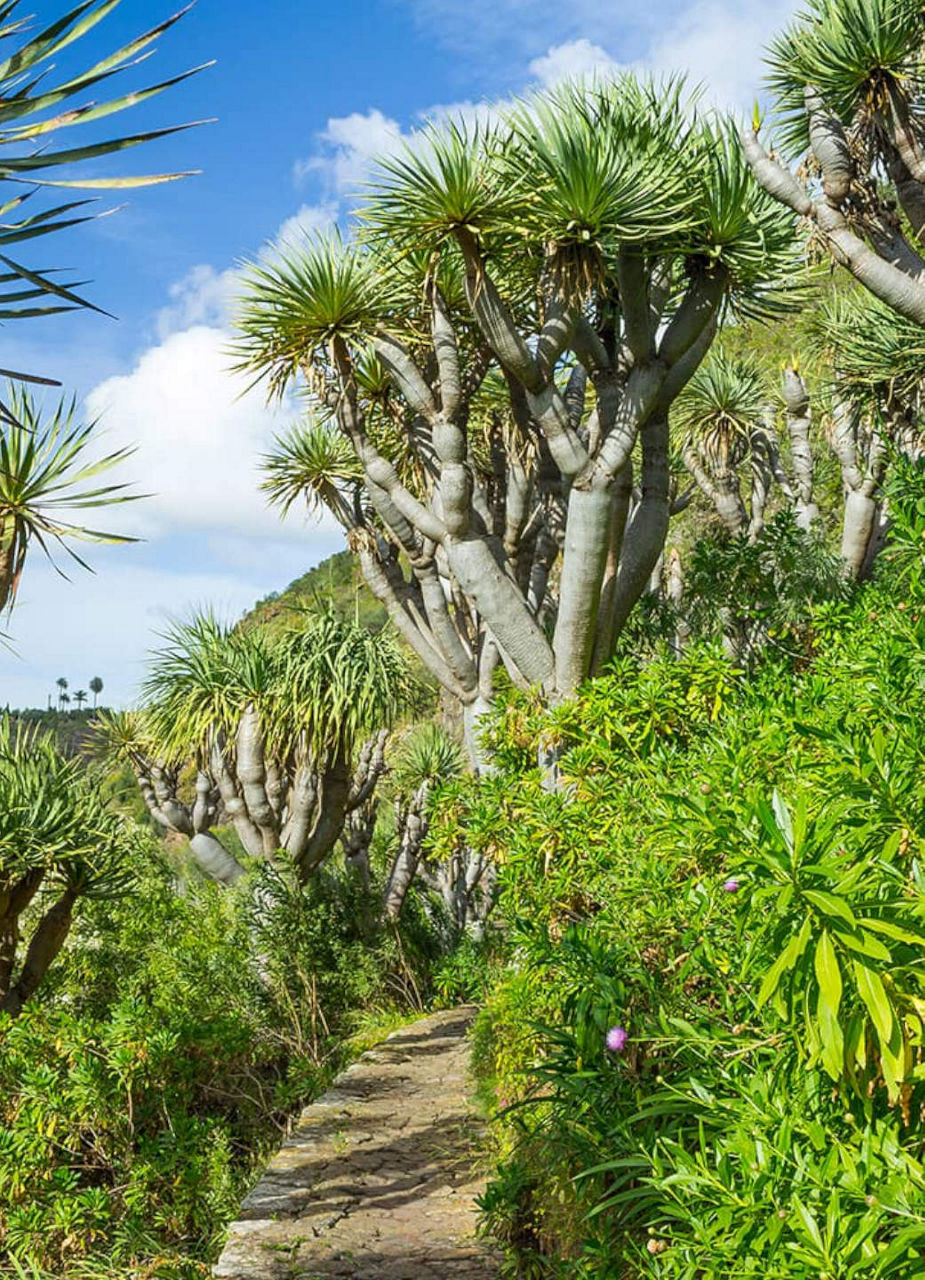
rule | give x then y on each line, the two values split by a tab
616	1039
731	886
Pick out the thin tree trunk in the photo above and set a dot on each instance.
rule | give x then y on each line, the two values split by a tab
44	946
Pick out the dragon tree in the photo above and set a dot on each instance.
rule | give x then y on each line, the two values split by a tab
279	736
491	361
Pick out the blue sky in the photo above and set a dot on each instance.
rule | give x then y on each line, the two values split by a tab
304	95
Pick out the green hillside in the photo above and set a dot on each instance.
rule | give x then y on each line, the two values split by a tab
336	581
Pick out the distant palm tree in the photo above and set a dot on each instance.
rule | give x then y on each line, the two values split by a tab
61	682
64	700
80	697
96	688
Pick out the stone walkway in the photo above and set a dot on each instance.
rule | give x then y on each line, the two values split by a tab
377	1180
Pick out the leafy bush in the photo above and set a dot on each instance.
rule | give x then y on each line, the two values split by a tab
707	1049
174	1039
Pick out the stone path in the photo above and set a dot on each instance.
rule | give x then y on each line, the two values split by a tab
377	1180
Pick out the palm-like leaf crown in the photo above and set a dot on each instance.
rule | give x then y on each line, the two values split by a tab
740	227
294	306
53	817
426	754
46	472
314	462
863	56
32	111
551	193
720	407
316	688
876	357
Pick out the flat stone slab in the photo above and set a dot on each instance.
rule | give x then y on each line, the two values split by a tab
377	1180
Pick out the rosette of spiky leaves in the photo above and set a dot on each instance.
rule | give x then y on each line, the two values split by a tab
605	164
123	736
720	407
33	114
339	682
201	681
863	56
47	471
53	817
740	229
446	178
425	754
293	306
874	354
316	686
313	462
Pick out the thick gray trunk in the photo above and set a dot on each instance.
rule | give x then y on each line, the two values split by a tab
587	542
498	600
252	777
234	806
648	526
858	526
214	859
473	712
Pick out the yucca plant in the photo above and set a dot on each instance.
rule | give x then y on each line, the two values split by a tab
537	293
59	842
848	79
283	736
876	363
34	111
47	472
426	758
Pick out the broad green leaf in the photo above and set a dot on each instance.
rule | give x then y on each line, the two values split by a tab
889	1029
782	815
828	973
864	943
784	962
829	905
896	931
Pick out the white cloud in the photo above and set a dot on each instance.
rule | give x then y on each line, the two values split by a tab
720	43
202	297
199	434
347	148
721	46
306	220
574	59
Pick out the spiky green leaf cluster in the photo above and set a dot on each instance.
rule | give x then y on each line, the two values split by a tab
53	817
296	303
46	472
316	687
721	405
873	353
33	113
863	56
314	462
740	228
605	164
426	754
445	179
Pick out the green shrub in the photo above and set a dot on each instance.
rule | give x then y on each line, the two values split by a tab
732	872
180	1029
